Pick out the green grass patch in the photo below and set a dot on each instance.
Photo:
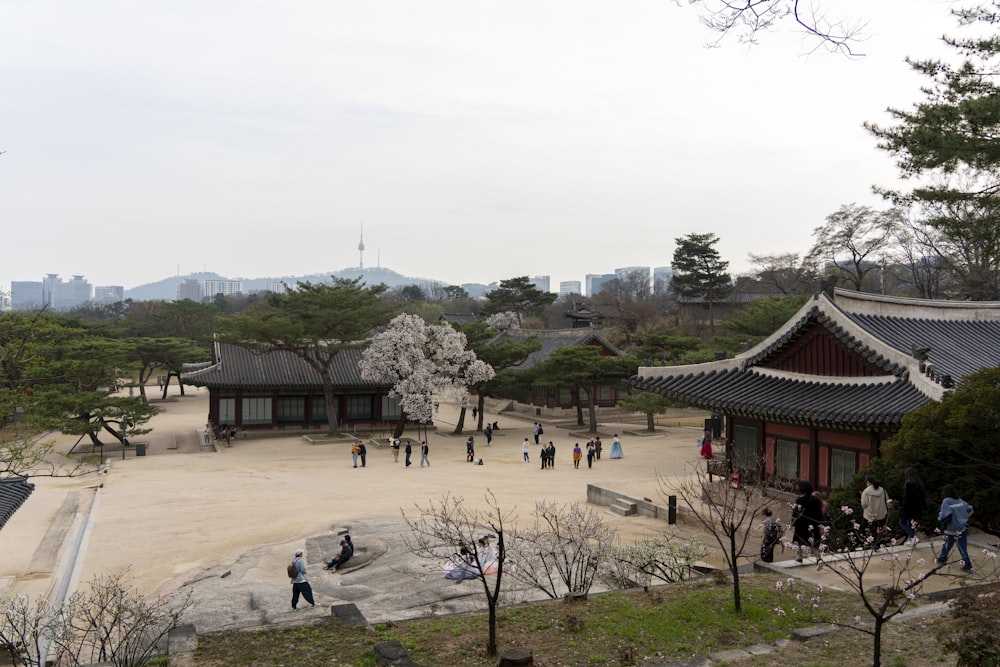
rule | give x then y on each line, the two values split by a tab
622	628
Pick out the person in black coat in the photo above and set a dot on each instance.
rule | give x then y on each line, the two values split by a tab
807	520
346	551
914	504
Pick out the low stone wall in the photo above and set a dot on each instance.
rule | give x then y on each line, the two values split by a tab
597	495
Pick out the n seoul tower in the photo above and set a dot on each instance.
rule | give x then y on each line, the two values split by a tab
361	249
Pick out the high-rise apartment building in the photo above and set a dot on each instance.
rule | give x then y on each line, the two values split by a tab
209	288
189	288
595	281
108	294
662	276
26	294
569	287
541	283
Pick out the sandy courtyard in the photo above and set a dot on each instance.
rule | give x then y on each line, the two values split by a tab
181	508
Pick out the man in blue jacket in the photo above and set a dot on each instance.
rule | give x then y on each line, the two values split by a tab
953	518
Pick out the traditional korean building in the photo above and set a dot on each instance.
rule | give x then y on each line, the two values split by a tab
606	395
14	490
257	390
817	398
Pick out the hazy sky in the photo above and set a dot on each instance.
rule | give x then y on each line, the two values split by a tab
474	141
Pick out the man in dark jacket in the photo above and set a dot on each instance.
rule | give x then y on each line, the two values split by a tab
345	555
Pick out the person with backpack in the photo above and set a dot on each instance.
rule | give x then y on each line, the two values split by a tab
953	517
300	585
424	451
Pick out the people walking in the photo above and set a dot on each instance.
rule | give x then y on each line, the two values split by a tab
408	451
875	509
525	449
300	584
914	503
355	452
537	431
488	432
577	455
597	448
470	450
807	518
590	454
953	517
551	450
362	452
395	450
424	451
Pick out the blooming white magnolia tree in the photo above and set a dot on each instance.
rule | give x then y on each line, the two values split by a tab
421	360
504	321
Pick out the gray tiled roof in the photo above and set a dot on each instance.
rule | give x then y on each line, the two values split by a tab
920	346
13	492
552	340
957	348
238	367
793	399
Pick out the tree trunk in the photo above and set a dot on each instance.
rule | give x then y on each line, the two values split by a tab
734	568
400	425
877	643
332	423
461	421
481	402
650	425
579	408
591	410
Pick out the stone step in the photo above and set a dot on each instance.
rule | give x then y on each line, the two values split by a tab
623	507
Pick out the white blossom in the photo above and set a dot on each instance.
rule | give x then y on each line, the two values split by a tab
421	360
504	321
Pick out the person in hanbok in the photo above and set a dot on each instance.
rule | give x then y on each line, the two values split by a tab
461	566
616	448
706	445
486	555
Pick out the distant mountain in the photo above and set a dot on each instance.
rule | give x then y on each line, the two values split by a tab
166	289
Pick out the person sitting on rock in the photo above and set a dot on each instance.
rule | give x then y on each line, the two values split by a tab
345	555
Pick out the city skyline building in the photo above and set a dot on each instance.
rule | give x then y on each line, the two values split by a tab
26	294
570	287
541	283
189	289
108	294
662	276
595	281
210	288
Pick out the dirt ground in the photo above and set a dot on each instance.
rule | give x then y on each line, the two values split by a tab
184	512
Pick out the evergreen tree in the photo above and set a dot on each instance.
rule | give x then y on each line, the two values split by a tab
700	272
948	144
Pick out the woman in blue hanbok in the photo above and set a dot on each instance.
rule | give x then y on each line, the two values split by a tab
616	448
